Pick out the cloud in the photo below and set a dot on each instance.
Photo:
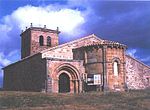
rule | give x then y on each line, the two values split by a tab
125	22
67	19
9	58
3	60
132	52
4	29
138	54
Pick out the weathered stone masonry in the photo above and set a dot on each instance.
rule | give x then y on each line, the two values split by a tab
137	74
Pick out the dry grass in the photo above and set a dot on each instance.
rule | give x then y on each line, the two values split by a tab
133	100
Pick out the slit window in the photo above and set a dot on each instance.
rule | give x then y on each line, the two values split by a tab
41	40
116	68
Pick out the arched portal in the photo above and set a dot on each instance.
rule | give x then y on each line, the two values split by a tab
64	83
68	79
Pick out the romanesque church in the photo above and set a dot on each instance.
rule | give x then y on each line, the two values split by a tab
86	64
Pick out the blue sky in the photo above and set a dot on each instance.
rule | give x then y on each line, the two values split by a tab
125	22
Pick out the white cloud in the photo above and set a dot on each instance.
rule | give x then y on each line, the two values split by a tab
7	59
3	60
12	53
4	29
132	52
68	20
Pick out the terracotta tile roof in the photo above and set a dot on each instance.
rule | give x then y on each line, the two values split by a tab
105	42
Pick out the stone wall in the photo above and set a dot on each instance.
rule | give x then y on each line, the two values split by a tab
137	74
30	40
115	54
100	59
26	75
35	46
92	57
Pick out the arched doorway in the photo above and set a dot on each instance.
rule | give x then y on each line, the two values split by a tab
68	79
64	83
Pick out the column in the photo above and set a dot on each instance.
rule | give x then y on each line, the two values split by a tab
105	85
55	85
71	86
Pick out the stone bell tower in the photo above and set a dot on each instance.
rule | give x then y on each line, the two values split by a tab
36	39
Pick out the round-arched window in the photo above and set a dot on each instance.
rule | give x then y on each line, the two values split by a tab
116	68
41	40
48	41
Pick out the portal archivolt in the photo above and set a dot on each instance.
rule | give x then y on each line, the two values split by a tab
68	79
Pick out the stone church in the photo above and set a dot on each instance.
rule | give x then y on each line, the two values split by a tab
86	64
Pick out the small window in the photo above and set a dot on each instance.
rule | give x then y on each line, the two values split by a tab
41	40
48	41
116	68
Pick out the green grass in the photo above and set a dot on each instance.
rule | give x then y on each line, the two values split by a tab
133	100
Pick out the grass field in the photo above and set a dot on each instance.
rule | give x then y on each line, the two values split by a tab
133	100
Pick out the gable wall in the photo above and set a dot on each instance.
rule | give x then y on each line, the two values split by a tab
65	51
137	74
25	75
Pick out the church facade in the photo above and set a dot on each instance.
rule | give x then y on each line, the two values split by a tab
85	64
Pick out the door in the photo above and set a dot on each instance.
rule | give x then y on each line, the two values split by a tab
64	83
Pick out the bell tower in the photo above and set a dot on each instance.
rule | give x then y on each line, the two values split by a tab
36	39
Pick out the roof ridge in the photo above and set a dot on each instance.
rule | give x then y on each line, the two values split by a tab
105	42
71	42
